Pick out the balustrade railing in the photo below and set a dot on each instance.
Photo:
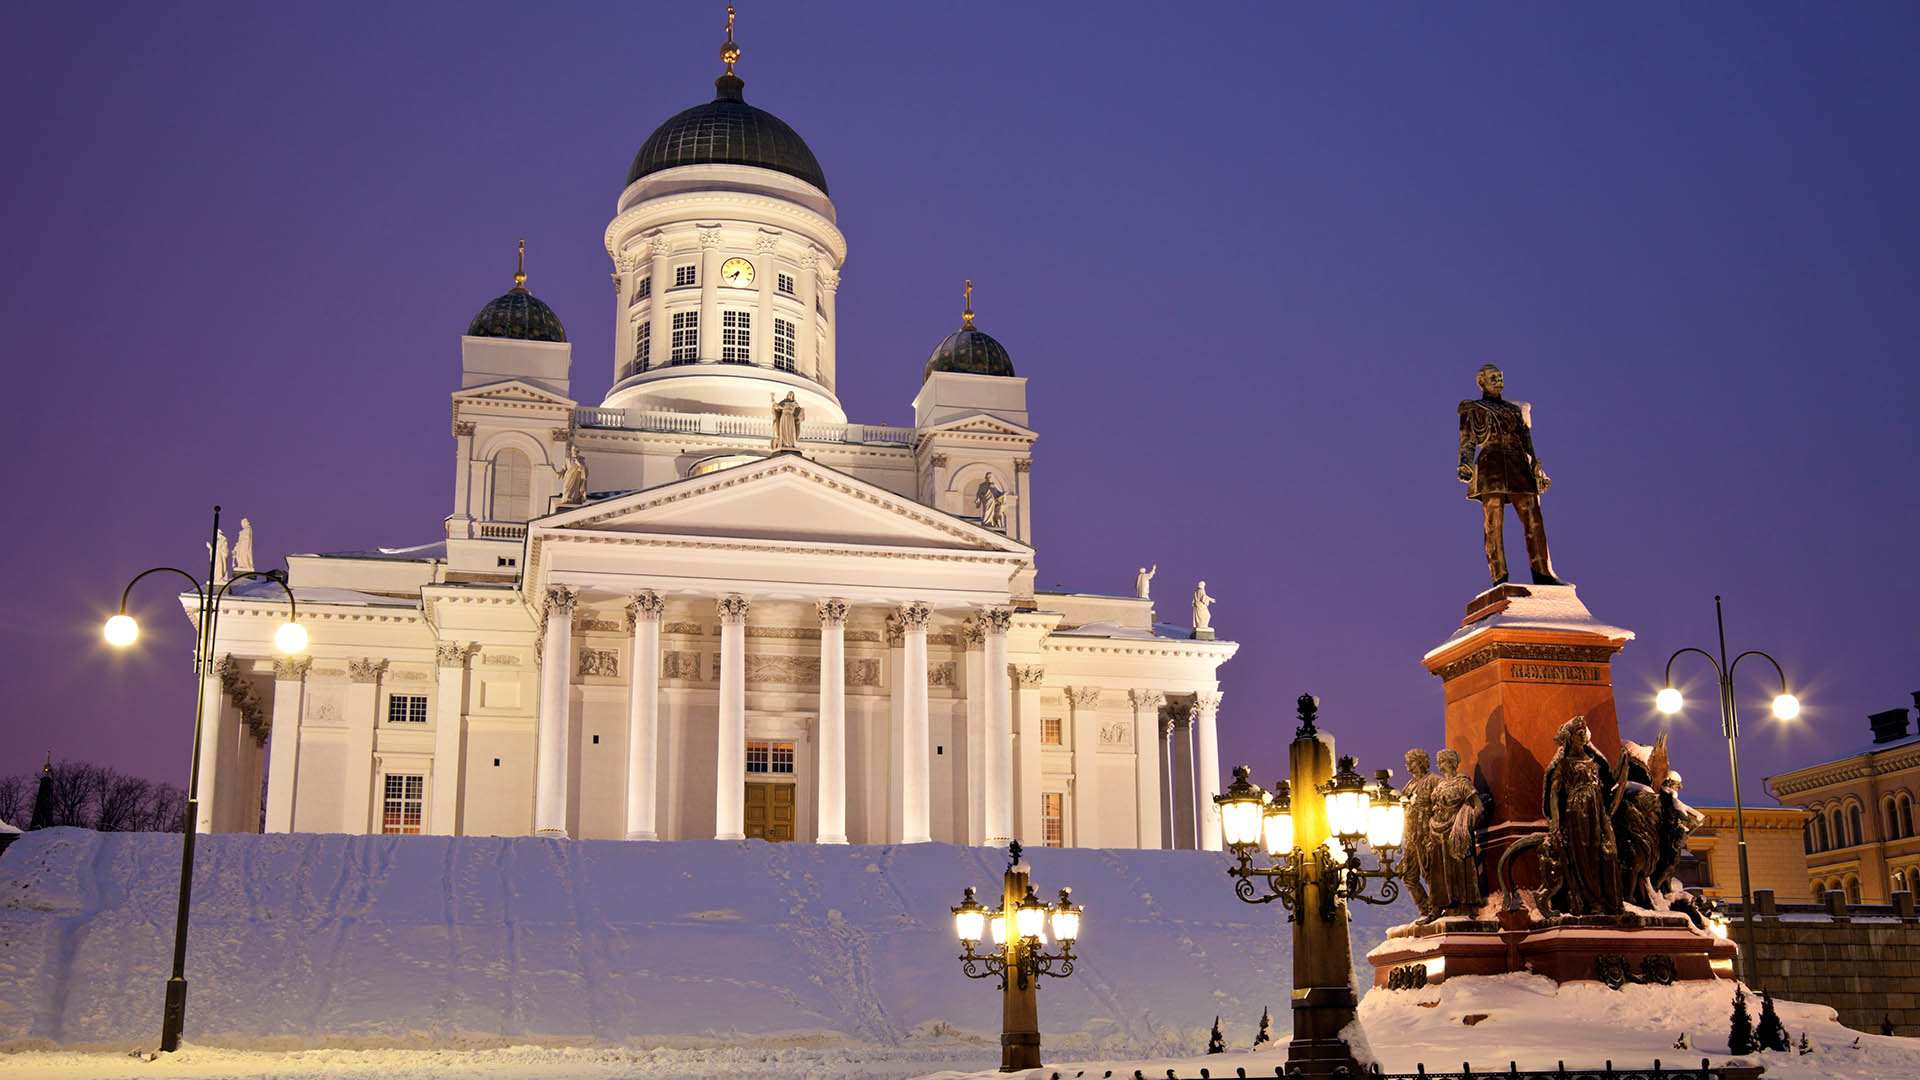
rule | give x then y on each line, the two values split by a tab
501	530
1706	1070
750	427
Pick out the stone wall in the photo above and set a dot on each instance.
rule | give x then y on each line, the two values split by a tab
1862	960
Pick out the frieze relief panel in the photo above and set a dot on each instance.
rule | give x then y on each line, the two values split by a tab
325	713
941	674
863	671
1056	700
499	660
778	670
408	675
794	633
676	664
609	625
600	662
863	635
688	628
1119	734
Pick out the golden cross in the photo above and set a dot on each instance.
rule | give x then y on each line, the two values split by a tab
967	315
520	266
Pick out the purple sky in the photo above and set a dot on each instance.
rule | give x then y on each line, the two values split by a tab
1249	263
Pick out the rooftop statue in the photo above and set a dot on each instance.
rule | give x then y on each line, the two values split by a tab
217	547
573	482
1498	466
1202	608
787	416
991	500
243	548
1143	581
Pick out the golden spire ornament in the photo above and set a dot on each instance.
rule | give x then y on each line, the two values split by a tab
966	317
520	269
729	53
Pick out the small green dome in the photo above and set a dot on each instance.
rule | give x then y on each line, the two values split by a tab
971	351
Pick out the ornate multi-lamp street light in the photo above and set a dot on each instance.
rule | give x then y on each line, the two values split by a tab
1785	707
1019	955
121	631
1315	868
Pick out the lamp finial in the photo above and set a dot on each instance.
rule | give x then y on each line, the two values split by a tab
520	268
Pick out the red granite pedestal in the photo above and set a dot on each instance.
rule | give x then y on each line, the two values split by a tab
1646	949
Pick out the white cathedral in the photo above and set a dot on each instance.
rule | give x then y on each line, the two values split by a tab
709	605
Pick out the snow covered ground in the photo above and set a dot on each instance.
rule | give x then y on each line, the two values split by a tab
397	957
665	955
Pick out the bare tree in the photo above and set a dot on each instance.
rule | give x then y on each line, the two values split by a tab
74	786
117	801
16	800
165	809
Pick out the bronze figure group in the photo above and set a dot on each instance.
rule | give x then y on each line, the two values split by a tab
1442	868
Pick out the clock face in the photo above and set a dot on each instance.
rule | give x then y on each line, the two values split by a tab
736	272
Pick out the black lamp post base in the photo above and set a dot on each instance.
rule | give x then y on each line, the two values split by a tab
1320	1014
174	1018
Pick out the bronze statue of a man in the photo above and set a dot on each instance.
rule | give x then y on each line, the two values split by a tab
1504	470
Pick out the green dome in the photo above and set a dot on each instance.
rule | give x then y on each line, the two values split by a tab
517	313
971	351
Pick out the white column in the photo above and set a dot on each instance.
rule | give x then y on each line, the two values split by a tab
833	722
643	714
1185	828
829	281
916	776
710	302
449	738
363	716
658	249
1164	725
730	782
1085	704
763	277
550	769
212	706
808	362
1023	499
1027	679
283	757
1207	770
999	733
463	474
1146	765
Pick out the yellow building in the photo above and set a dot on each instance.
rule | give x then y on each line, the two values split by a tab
1859	835
1776	857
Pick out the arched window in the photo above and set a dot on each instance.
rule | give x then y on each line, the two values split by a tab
1837	827
1853	824
1889	819
1806	838
1853	890
512	477
1900	881
1820	842
1906	815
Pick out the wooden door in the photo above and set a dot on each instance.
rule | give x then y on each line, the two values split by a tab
769	811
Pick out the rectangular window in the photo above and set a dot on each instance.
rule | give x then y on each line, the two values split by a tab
736	337
684	276
642	290
1050	731
784	349
770	758
1053	818
643	348
786	284
407	709
403	804
686	337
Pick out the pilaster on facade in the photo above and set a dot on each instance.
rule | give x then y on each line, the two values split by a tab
1147	741
1206	705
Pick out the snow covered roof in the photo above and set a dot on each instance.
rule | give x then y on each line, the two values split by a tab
1537	607
319	594
1110	629
7	828
433	552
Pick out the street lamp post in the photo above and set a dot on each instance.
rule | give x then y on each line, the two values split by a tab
121	631
1314	871
1785	707
1018	957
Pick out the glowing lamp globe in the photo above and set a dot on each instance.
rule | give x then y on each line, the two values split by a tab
1240	809
999	924
1279	827
121	631
1348	802
290	638
1786	706
1386	824
1667	701
969	919
1031	916
1066	918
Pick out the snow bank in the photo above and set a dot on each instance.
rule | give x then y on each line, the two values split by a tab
385	941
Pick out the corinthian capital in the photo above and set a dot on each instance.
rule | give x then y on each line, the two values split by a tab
452	654
1084	697
365	669
914	615
710	238
733	609
557	602
291	668
1180	713
972	634
645	605
1205	704
1146	699
833	611
996	620
1026	675
659	246
828	277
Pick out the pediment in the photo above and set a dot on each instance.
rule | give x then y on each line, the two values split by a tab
517	391
783	498
982	424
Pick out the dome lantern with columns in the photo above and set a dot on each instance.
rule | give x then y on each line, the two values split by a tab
726	260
